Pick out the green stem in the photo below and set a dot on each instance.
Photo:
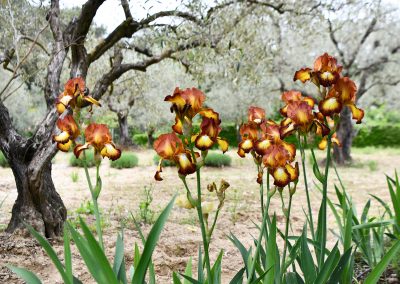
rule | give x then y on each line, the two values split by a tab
286	233
263	226
303	163
203	228
324	202
213	224
261	193
94	199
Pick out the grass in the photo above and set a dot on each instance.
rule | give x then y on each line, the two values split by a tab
126	161
74	176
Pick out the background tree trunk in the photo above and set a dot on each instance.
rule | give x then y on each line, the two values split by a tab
125	140
150	137
345	133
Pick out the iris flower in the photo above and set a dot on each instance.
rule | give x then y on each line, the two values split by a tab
69	132
185	104
342	94
210	128
98	136
326	71
269	150
75	95
169	147
300	115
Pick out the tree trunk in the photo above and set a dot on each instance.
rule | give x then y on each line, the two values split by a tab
38	204
125	140
345	133
150	137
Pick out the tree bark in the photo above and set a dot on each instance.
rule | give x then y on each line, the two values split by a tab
125	140
345	133
150	137
38	204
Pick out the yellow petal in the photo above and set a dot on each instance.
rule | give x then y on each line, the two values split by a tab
223	144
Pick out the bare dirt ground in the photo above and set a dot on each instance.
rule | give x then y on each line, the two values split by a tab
123	190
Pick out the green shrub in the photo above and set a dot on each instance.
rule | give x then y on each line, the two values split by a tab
127	160
165	163
140	139
217	160
3	161
378	135
74	162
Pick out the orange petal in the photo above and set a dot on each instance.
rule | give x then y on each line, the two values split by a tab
249	131
291	149
185	164
223	144
91	100
260	177
97	135
288	129
320	128
195	98
293	171
157	176
63	137
281	176
323	143
74	86
301	113
110	152
178	126
246	145
304	74
358	114
276	156
336	140
167	145
79	148
256	114
292	95
204	142
330	106
241	152
64	147
261	146
210	113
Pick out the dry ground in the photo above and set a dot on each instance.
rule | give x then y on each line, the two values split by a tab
123	190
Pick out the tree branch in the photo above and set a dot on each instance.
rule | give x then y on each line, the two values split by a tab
36	42
335	42
118	70
127	11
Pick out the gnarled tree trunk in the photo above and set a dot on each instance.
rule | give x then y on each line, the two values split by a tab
345	133
125	140
38	203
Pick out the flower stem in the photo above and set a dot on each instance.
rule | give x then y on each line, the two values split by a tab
203	228
286	233
263	227
303	164
94	200
324	201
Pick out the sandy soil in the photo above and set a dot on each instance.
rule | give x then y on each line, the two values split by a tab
123	190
